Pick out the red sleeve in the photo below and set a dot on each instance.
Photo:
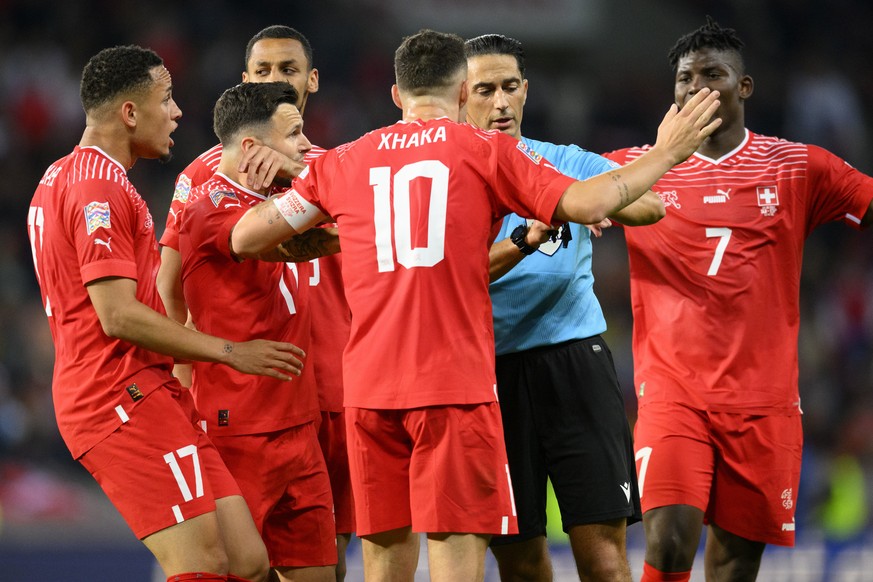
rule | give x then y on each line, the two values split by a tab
208	220
197	173
311	183
101	219
544	184
838	191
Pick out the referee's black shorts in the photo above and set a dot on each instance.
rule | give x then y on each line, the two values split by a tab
564	419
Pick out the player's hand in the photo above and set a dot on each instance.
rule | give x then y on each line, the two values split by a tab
263	165
682	131
597	229
279	360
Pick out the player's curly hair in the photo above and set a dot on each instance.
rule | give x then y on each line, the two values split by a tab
496	44
428	60
282	32
711	35
120	70
249	106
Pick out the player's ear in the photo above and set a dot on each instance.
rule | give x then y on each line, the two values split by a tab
247	142
746	87
524	88
128	113
395	96
312	81
245	77
462	98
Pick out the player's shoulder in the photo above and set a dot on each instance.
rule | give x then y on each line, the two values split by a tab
210	158
91	164
771	143
204	193
314	153
203	166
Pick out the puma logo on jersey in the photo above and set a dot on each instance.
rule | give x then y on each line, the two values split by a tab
105	243
721	196
625	487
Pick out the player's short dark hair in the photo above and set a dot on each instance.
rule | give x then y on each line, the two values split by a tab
120	70
428	60
496	44
281	32
709	36
248	105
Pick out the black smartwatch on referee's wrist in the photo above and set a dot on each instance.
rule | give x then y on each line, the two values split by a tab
517	238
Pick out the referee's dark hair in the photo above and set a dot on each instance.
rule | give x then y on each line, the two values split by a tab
496	44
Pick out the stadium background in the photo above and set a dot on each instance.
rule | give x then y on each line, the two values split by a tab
598	77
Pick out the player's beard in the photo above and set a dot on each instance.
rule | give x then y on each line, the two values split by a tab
166	157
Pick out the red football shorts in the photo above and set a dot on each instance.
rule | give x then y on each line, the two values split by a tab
284	481
159	468
742	470
437	469
332	437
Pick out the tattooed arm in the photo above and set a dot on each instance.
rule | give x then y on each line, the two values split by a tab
647	209
263	227
312	244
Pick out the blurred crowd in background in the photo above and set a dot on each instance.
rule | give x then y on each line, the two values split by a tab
599	77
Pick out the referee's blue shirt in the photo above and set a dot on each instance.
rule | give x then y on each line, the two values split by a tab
548	298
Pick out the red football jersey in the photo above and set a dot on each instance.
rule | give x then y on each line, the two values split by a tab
86	222
415	203
241	302
196	173
715	285
331	321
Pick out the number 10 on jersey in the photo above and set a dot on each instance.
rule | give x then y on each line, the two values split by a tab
398	239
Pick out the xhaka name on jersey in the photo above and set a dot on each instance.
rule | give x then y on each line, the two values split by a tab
399	141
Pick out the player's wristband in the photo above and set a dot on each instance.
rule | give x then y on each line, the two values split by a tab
297	212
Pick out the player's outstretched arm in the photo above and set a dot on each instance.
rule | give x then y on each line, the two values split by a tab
647	209
263	227
124	317
312	244
680	134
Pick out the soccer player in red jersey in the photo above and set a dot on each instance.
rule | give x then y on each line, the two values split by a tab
715	292
264	431
281	53
415	203
119	409
276	53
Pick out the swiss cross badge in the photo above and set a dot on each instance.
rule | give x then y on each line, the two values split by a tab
768	199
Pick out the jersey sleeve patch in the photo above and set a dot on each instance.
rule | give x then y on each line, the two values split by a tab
532	155
97	215
183	188
216	196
